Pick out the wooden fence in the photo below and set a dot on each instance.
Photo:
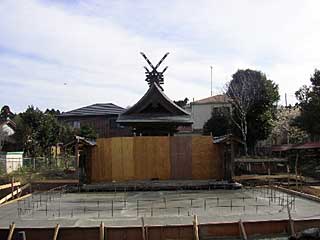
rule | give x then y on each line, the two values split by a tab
144	158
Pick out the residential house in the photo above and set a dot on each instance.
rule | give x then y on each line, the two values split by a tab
101	117
201	110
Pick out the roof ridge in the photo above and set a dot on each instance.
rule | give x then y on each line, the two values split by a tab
104	103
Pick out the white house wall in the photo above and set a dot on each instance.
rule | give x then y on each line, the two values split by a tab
201	113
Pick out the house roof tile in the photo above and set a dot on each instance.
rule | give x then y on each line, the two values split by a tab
97	109
213	99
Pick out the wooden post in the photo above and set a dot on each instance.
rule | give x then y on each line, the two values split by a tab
243	230
147	232
300	179
11	229
77	160
232	167
195	227
77	152
288	172
56	231
12	187
291	223
101	232
56	155
269	174
296	170
143	229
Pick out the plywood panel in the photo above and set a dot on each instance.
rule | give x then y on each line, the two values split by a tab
96	161
162	157
101	171
100	168
106	164
205	158
199	159
181	157
92	164
217	162
141	157
101	161
127	158
117	163
145	157
151	157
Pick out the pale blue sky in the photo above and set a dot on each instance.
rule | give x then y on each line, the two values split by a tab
68	54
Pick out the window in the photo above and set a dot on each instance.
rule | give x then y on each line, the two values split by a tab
76	124
221	111
113	123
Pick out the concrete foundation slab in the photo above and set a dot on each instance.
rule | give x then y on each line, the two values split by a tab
157	207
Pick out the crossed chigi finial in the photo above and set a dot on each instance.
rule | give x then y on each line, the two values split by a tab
154	76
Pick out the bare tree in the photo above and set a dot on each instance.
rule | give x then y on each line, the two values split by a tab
244	90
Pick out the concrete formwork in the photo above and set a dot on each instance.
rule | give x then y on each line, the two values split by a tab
271	229
166	214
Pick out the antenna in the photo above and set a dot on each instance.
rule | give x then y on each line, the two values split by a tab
285	99
211	79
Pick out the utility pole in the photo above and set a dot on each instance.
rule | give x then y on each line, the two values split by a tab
211	80
285	99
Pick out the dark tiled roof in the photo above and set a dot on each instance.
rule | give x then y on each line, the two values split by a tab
155	95
95	110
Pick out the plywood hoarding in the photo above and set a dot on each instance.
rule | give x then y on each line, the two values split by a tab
145	158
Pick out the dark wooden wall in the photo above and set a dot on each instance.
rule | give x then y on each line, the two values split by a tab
104	126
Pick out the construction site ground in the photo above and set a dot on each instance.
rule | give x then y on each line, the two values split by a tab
312	190
45	209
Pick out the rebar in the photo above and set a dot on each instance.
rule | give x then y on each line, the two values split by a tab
112	208
45	202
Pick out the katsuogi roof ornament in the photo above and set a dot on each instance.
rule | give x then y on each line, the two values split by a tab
153	75
155	114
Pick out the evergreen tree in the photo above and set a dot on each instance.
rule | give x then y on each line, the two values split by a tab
254	99
309	102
